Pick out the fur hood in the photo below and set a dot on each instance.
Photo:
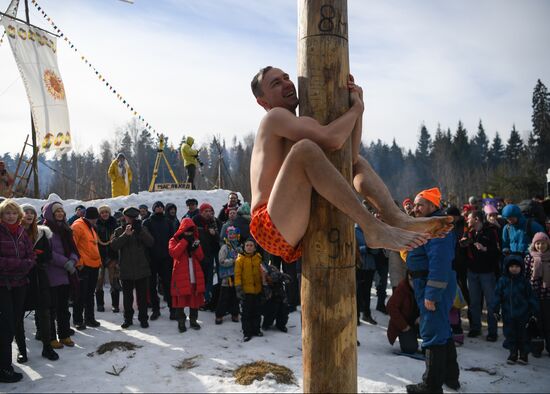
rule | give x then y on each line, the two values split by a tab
44	231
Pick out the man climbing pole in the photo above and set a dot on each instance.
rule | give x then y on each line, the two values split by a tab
288	162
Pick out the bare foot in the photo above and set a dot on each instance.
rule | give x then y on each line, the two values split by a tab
436	226
380	235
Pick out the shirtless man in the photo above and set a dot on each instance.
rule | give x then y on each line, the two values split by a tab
288	162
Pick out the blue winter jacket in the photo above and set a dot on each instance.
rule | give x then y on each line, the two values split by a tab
367	257
436	257
514	294
516	238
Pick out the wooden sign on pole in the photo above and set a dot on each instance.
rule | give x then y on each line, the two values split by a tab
329	316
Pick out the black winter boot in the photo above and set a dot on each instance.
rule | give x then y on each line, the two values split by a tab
513	357
181	317
49	353
193	316
10	376
452	371
100	300
115	301
434	375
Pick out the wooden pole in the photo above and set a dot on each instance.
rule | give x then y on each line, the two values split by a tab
329	316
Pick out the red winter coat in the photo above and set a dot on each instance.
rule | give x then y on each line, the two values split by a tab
181	282
402	309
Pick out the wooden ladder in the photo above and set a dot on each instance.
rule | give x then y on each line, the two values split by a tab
21	179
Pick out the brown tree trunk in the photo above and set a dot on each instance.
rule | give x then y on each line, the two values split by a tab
329	331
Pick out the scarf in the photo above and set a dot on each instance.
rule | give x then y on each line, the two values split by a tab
12	228
541	267
62	229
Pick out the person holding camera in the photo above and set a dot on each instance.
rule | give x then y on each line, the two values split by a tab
191	160
187	285
6	180
132	240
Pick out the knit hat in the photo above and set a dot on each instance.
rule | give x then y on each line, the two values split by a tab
79	207
452	211
158	204
143	206
244	209
204	206
190	201
104	208
433	195
232	230
27	207
54	206
540	236
131	212
489	209
406	201
92	213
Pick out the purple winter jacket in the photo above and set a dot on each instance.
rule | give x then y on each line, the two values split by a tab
16	257
57	274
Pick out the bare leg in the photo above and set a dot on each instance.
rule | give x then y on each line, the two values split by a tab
367	183
305	168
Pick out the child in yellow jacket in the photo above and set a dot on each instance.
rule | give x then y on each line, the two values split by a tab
248	284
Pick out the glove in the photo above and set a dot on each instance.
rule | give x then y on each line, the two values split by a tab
195	244
136	226
240	292
180	236
497	316
70	266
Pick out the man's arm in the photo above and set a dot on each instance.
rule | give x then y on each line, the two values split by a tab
330	137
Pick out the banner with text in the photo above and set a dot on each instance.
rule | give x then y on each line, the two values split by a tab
36	55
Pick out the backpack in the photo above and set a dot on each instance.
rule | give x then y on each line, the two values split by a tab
533	209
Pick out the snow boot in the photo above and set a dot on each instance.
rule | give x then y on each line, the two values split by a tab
67	342
452	370
49	353
368	318
193	316
523	358
55	344
181	326
380	307
180	315
173	314
22	357
155	315
10	376
434	376
100	300
126	324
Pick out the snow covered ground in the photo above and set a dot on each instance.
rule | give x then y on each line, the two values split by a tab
220	348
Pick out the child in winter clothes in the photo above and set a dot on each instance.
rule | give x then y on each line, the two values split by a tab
404	315
514	293
537	271
187	286
275	308
248	284
228	301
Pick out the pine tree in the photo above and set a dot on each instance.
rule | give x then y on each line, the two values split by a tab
496	153
480	146
424	145
541	123
514	147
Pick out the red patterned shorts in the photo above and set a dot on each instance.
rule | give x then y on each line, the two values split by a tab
268	237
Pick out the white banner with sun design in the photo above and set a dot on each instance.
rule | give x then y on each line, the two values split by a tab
36	55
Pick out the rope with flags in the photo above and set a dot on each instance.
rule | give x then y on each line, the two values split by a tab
99	75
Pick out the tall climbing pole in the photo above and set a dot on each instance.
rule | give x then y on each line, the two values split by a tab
329	316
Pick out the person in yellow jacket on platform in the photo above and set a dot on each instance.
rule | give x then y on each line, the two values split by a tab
86	241
121	176
190	158
248	285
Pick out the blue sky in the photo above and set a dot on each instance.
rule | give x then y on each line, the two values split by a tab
186	65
